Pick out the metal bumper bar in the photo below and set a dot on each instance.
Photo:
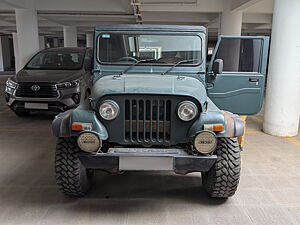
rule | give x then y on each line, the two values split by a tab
144	159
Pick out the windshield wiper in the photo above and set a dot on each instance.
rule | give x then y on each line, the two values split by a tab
178	63
134	64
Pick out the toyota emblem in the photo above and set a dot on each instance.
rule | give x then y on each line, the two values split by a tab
35	87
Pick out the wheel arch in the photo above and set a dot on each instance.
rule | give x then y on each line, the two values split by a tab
62	124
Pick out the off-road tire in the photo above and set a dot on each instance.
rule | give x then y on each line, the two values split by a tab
222	180
72	177
21	112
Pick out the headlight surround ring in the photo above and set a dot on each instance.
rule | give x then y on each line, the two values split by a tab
109	110
187	111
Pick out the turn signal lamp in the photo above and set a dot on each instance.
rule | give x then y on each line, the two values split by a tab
214	127
81	126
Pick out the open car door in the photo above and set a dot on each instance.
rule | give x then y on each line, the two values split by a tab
240	87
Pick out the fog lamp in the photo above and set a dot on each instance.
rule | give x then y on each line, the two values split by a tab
205	142
89	142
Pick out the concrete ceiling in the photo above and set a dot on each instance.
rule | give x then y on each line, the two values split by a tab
54	14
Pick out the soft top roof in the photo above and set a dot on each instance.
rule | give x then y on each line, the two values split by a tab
148	27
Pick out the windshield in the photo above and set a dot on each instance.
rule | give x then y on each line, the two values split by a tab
56	61
116	48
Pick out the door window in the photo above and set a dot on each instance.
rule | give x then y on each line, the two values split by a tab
240	55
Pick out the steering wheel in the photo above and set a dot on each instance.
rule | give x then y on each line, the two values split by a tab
128	58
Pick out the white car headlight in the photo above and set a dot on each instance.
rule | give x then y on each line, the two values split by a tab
109	110
187	111
71	84
11	84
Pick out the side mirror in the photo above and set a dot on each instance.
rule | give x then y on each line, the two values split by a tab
218	66
88	64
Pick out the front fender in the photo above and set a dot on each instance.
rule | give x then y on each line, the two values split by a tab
61	125
233	124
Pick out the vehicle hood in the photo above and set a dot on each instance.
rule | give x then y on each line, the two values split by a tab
56	76
150	84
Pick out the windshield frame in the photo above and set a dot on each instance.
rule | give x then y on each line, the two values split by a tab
45	51
200	61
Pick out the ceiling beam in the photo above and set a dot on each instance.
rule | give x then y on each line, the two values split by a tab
214	22
136	5
257	18
241	5
173	17
7	4
204	6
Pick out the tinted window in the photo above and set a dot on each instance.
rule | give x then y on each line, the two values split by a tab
56	60
240	55
164	49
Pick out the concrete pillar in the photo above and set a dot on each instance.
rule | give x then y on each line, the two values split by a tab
16	51
89	40
231	22
70	36
6	54
1	57
42	42
282	107
55	42
28	36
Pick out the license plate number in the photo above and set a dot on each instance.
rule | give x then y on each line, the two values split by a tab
31	105
145	163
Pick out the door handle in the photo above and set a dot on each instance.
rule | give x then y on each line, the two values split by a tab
254	80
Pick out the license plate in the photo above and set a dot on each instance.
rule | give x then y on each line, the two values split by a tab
146	163
31	105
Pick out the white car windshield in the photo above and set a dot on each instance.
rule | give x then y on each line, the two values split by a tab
117	48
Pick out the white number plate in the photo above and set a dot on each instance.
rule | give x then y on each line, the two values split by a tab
145	163
31	105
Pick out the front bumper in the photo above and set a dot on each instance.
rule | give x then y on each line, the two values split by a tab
147	159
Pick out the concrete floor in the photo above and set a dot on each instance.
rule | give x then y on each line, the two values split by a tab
268	193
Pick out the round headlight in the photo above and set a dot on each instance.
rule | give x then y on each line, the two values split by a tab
109	110
187	111
205	142
88	142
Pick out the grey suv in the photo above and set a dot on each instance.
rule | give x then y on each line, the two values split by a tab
54	79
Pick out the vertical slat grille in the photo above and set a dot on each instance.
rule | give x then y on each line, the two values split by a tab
147	121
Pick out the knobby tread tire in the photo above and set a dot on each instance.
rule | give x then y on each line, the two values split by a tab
71	176
222	180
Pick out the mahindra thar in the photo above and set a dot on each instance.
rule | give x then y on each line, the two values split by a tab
157	105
